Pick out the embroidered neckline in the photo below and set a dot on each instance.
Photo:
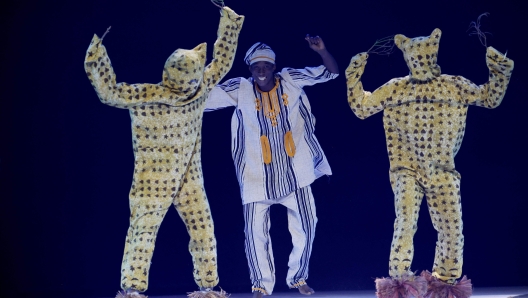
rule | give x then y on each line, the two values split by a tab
271	109
270	102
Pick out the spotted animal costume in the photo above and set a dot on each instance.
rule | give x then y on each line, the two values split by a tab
424	120
166	133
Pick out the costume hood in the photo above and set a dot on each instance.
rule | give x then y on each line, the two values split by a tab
420	54
183	71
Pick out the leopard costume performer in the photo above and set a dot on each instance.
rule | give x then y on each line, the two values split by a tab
424	120
166	133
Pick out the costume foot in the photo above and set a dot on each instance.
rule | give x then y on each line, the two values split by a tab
258	294
208	293
437	288
130	294
403	287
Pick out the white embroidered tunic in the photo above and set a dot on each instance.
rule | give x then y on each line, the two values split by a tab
279	171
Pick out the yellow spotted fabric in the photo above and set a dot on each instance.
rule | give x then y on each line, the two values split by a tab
166	134
424	120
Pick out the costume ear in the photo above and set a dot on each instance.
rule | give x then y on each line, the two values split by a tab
95	39
400	40
201	51
436	34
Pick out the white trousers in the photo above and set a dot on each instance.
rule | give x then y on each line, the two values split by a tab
301	224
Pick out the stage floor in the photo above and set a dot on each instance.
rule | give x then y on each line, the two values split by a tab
517	292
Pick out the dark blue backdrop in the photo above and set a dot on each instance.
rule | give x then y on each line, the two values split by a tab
66	159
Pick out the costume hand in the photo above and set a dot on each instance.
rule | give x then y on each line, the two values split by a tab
497	60
357	63
316	43
360	58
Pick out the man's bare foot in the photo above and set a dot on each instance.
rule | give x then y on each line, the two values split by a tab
258	294
306	290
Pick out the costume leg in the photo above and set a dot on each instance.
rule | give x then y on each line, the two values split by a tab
146	216
408	196
301	223
193	207
258	246
443	199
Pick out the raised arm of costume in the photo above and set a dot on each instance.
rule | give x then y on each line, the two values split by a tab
224	48
223	95
101	74
490	94
363	103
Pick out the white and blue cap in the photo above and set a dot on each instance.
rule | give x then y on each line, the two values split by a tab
259	52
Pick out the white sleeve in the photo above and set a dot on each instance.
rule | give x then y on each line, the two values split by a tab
309	76
223	95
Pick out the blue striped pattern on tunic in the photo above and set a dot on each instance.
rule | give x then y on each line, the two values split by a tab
259	181
309	125
230	85
239	151
279	174
306	75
